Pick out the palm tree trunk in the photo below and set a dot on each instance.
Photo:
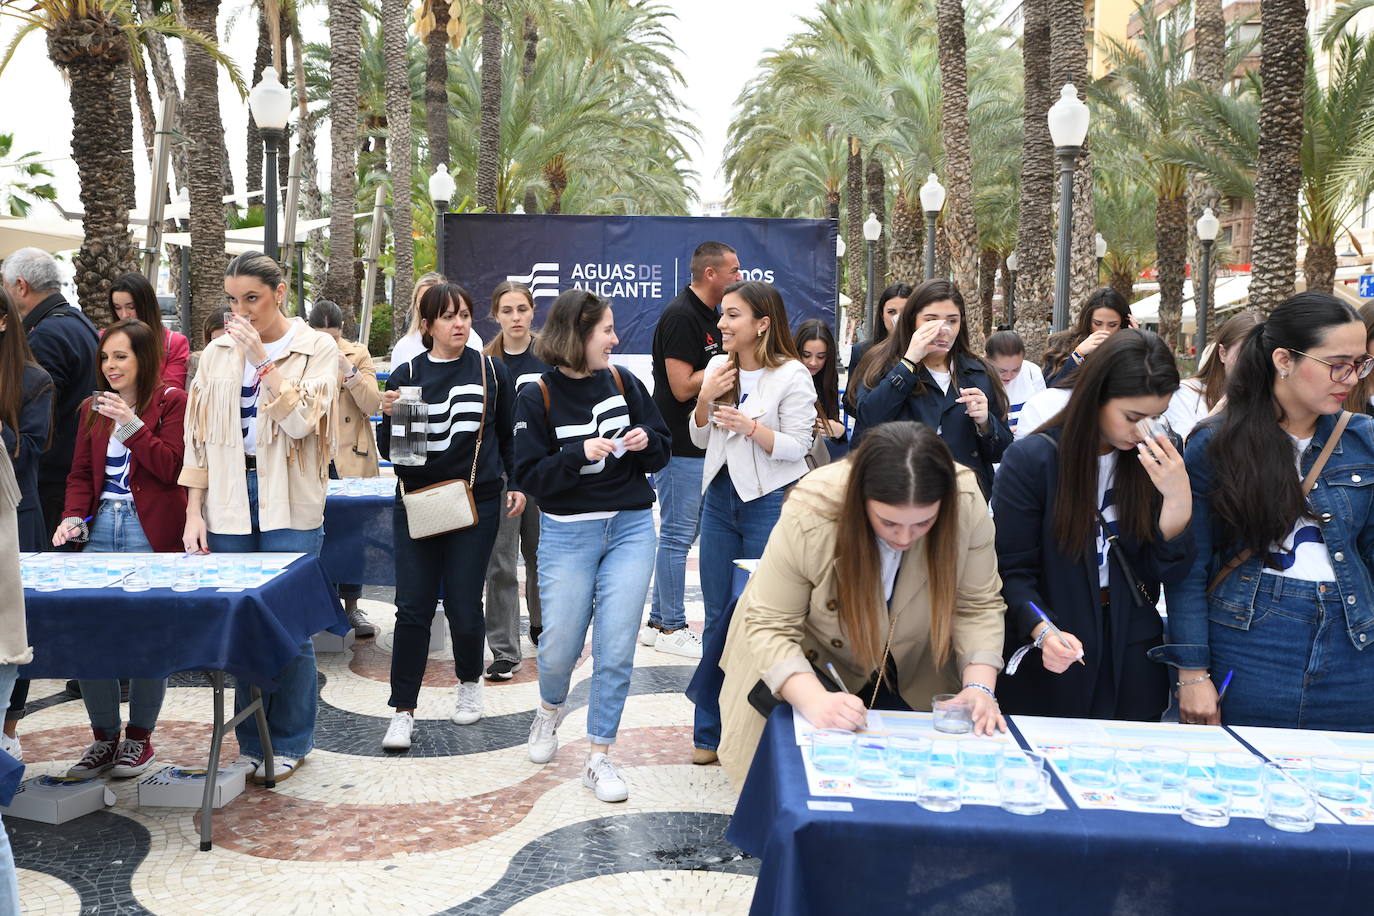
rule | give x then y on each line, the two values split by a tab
1035	276
908	239
832	205
395	52
1171	245
1278	174
854	204
146	119
1319	267
989	262
436	85
262	59
960	229
1123	281
206	162
1209	70
531	37
876	181
1069	64
489	132
123	133
345	40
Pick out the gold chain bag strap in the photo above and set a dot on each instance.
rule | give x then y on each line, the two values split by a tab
448	505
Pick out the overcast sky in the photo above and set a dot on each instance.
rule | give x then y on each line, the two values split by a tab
720	43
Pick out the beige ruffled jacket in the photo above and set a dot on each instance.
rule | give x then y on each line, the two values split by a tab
296	432
14	634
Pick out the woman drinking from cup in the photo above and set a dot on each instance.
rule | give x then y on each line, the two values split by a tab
881	567
124	477
132	298
587	434
466	398
259	438
1092	515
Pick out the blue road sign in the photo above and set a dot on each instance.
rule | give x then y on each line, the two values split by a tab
1367	286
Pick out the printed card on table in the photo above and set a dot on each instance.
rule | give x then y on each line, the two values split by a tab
1287	746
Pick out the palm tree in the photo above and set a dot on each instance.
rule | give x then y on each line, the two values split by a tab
1035	278
24	180
1069	64
1125	209
1278	173
441	30
489	140
1209	73
205	178
961	229
398	96
345	39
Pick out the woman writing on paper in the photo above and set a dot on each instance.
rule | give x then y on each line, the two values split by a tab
1280	592
1092	515
883	566
129	451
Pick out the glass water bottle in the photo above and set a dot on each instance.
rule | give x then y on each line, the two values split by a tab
409	428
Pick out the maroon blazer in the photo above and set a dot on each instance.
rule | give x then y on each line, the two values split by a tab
175	361
155	454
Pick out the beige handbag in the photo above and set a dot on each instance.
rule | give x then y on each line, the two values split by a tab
819	453
448	505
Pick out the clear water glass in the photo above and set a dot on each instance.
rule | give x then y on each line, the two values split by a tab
1239	772
1092	765
832	750
941	789
251	571
1172	763
1288	801
137	579
209	571
1336	778
1139	776
28	573
951	715
910	755
1205	804
1022	787
48	577
872	767
979	759
162	571
353	486
186	577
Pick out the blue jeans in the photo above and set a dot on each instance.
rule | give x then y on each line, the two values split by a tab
290	708
116	529
1296	666
679	500
9	881
593	574
730	529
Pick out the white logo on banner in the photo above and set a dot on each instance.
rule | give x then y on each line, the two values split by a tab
542	280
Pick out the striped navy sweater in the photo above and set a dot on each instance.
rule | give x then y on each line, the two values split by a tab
549	458
453	391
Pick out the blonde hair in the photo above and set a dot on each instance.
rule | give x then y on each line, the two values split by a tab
433	278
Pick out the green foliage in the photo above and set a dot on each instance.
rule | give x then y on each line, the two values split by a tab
22	180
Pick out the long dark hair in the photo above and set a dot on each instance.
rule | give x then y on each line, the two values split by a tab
895	291
878	361
1361	398
1211	375
828	379
1059	346
146	308
15	356
1129	364
1256	493
900	464
141	344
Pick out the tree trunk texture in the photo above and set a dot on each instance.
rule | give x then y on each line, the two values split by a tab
1319	267
262	59
206	160
960	229
489	133
875	178
1171	243
854	253
832	205
556	177
394	51
942	252
122	91
1278	175
345	39
1123	281
312	205
1209	70
1034	246
436	86
989	262
908	242
165	79
531	37
1069	64
1003	284
147	118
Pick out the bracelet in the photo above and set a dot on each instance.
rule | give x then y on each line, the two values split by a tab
263	367
908	363
124	431
1196	680
983	687
1044	635
753	429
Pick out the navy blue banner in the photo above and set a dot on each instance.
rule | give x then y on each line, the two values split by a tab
638	262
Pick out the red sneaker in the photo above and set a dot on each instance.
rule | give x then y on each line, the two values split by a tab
135	756
99	757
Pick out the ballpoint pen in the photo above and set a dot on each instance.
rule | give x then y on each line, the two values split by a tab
1057	632
1226	682
835	676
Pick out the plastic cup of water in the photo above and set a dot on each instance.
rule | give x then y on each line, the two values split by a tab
1239	772
1139	776
1092	765
832	750
162	571
251	570
910	755
353	486
1172	762
1336	778
137	579
979	759
1288	805
187	576
1205	804
941	789
28	573
951	715
48	577
872	765
1022	785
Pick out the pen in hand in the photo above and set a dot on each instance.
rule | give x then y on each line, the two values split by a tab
835	676
1224	684
1057	632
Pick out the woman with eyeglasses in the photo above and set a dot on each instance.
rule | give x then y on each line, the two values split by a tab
1280	596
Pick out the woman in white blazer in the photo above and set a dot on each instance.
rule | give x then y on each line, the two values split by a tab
756	418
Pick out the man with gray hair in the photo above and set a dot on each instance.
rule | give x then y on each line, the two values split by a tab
64	342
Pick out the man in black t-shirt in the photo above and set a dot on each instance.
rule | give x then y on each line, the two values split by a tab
685	339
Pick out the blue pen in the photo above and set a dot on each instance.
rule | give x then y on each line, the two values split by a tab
1224	684
835	676
1049	623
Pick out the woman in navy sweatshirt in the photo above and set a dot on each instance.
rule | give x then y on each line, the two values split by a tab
585	437
469	396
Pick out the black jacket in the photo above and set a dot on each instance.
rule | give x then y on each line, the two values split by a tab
64	342
1034	569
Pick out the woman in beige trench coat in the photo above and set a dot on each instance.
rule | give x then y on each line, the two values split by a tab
883	561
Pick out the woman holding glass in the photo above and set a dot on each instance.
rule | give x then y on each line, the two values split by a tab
259	437
124	473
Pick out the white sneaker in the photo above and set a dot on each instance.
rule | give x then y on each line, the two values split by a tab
544	733
11	746
467	702
399	731
648	635
682	642
601	776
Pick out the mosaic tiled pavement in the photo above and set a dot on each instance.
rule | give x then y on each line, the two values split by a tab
462	823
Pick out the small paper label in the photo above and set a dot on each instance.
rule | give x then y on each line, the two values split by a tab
817	805
419	427
619	447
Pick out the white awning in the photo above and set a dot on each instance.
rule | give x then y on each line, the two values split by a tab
50	233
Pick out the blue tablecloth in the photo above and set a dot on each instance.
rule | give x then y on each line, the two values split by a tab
357	540
890	857
111	633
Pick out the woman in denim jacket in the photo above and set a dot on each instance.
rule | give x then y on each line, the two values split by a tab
1292	619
